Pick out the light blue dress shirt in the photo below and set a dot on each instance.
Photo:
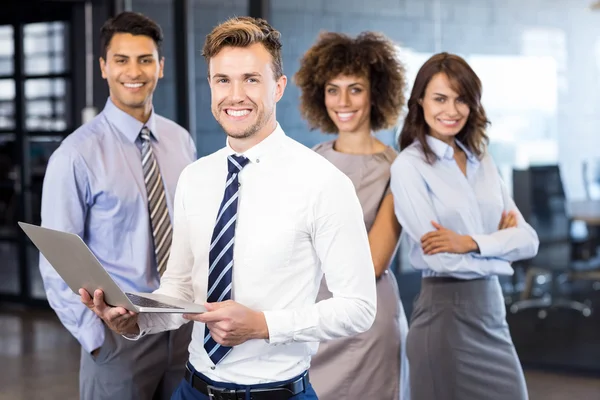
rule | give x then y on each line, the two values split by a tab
470	205
94	187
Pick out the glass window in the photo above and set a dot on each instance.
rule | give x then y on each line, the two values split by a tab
7	104
45	47
7	50
46	104
9	273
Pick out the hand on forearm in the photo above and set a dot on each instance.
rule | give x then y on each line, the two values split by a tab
507	220
444	240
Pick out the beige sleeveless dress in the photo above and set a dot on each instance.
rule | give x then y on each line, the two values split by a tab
371	365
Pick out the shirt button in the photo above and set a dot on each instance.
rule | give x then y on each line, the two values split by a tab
213	367
239	184
257	160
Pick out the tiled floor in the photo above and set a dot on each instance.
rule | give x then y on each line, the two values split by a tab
34	344
546	386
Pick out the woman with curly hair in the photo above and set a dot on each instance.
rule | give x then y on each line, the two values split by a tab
353	87
463	230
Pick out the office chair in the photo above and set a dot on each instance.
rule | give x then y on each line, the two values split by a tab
591	178
539	195
586	251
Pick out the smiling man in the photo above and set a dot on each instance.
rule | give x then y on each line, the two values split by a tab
294	217
112	182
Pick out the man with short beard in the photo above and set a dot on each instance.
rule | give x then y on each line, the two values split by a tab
294	217
112	182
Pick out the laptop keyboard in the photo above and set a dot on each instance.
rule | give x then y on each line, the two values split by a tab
146	302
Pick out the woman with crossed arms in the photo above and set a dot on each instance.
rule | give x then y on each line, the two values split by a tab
464	230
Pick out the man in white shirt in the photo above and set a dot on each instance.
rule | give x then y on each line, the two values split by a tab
294	216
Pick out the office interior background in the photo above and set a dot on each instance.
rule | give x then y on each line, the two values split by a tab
539	62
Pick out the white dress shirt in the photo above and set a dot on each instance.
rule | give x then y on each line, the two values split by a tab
298	217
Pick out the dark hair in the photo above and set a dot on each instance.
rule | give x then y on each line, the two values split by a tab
467	84
369	55
133	23
244	32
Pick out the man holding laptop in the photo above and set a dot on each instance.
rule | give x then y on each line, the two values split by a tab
293	215
112	182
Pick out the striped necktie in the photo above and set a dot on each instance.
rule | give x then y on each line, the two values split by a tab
221	251
157	203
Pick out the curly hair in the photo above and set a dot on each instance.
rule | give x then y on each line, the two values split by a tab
467	84
369	55
244	32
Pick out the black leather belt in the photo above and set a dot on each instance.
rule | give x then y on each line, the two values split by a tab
443	279
451	279
282	392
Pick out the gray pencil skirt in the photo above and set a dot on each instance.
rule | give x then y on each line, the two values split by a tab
459	346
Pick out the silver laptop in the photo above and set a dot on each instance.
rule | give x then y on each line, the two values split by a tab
77	265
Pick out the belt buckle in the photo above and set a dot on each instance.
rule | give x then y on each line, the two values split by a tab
216	393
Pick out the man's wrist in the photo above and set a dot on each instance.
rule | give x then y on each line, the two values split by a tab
134	330
262	329
129	330
134	333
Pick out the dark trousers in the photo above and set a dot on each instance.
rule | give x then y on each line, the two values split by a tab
185	391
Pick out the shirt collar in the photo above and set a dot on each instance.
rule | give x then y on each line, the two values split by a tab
263	148
444	151
126	124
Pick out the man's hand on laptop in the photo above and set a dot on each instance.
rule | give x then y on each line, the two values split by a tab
118	319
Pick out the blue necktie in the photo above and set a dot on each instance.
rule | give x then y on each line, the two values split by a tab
221	251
